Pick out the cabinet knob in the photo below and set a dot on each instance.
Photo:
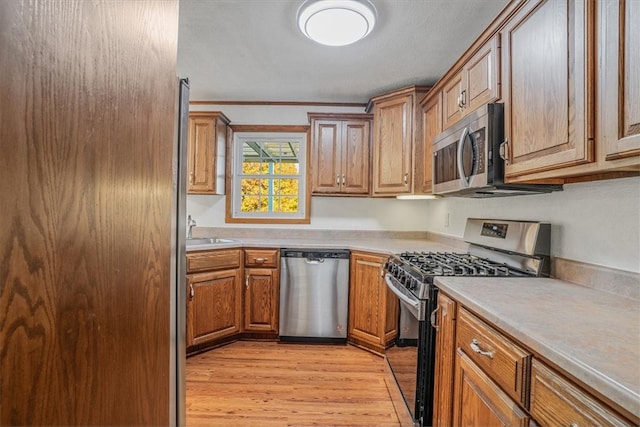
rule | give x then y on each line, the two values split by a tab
259	260
343	180
192	293
337	179
406	178
246	281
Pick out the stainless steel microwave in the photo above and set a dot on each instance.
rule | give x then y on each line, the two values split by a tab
467	162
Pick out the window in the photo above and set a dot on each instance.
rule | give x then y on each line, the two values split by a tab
268	182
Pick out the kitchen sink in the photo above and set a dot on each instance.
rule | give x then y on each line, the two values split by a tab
208	241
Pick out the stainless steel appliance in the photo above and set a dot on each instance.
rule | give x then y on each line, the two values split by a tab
467	159
177	410
497	248
314	295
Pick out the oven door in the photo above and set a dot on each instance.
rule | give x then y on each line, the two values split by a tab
404	357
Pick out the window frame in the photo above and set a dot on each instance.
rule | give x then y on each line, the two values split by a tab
232	176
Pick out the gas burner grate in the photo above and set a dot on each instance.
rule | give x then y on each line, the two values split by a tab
456	264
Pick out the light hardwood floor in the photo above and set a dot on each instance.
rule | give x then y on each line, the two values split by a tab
272	384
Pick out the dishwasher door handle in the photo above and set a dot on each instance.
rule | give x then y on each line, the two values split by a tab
314	260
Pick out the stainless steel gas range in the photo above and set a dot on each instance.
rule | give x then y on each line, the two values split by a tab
497	248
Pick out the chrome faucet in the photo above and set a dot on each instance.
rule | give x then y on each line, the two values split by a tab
190	223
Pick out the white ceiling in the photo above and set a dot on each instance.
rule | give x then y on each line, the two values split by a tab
252	50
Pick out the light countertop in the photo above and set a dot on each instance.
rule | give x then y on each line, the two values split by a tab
592	335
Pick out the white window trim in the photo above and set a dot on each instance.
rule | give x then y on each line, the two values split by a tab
236	213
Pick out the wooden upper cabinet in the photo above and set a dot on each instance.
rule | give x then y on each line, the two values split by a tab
432	127
476	84
206	152
397	128
340	159
547	67
619	78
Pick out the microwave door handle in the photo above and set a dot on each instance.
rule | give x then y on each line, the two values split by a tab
463	140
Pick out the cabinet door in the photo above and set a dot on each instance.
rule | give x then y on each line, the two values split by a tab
547	65
261	300
432	127
482	77
452	101
480	402
327	174
368	300
201	154
392	146
556	401
355	156
445	359
213	306
620	47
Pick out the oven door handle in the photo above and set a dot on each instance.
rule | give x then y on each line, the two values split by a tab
411	304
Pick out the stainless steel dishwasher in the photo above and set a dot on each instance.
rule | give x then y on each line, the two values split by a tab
314	295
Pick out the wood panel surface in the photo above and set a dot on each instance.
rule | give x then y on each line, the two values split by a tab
356	139
445	361
88	110
261	300
271	384
432	127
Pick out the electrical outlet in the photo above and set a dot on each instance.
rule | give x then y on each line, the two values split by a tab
446	219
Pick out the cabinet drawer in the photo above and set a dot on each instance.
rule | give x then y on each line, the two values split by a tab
213	260
556	401
505	362
261	258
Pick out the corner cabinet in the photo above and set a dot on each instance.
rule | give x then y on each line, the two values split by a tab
397	130
214	297
373	309
206	152
261	292
340	153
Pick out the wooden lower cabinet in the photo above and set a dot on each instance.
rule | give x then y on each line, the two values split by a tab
261	300
214	307
556	401
478	401
445	361
497	382
373	309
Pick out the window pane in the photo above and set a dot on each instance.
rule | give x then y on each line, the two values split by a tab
287	204
289	186
249	204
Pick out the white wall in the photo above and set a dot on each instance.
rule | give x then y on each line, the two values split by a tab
596	222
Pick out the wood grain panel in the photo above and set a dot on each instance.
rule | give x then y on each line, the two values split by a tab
88	108
261	300
432	127
327	151
506	362
480	402
213	260
556	401
547	60
355	156
445	361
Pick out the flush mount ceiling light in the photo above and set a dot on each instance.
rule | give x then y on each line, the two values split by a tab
336	22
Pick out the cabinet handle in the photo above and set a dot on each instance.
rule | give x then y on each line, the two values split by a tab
475	346
337	179
259	260
504	151
192	293
406	178
246	281
463	98
459	101
432	320
191	178
343	179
